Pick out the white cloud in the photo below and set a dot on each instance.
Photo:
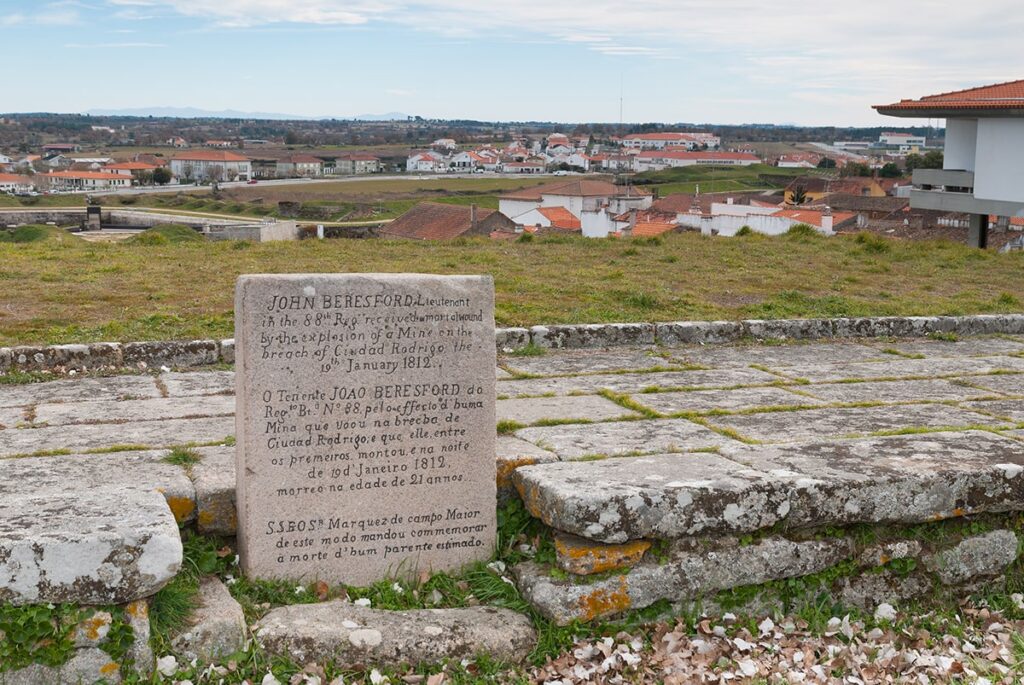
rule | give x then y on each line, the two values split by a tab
100	46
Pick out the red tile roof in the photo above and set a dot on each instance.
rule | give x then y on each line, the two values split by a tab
1000	96
560	217
434	221
97	175
211	156
15	178
131	166
813	217
575	189
301	159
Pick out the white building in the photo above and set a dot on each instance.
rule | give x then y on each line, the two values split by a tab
203	165
655	160
304	166
65	181
595	203
426	162
16	184
982	174
670	140
902	140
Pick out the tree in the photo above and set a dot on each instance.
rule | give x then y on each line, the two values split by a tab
855	169
799	195
913	161
827	163
291	138
933	159
890	170
161	175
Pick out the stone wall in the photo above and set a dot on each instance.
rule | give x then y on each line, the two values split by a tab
105	355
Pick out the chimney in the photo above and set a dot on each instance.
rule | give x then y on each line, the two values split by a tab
826	219
472	217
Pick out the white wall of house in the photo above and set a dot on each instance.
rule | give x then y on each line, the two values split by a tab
728	225
532	218
203	169
511	208
597	223
961	144
998	172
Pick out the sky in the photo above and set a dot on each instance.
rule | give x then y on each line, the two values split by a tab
822	62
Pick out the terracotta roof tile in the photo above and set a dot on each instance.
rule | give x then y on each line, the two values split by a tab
434	221
210	156
1009	95
560	217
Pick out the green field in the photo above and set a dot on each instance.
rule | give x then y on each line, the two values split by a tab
73	291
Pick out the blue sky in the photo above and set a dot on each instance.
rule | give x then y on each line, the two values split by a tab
721	61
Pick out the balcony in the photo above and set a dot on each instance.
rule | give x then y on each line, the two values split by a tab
952	190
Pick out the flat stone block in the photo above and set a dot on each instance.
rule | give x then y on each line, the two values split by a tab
583	557
636	382
67	357
817	424
109	546
1008	384
214	481
6	359
86	437
966	347
134	410
215	629
191	383
568	362
356	637
884	326
227	351
513	453
90	666
12	416
896	479
580	408
697	332
171	353
904	368
728	400
571	442
783	329
660	496
1012	410
978	556
79	390
508	339
894	391
137	471
688	573
592	335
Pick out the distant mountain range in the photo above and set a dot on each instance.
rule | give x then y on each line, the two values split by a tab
195	113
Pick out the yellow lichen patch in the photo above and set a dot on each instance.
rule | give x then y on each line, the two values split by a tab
884	559
584	557
110	668
604	602
531	498
507	467
181	507
139	609
93	627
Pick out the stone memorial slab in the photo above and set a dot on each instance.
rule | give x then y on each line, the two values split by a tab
365	424
573	442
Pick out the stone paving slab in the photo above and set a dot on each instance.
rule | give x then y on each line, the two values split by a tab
572	442
143	471
1008	384
894	391
79	390
214	481
87	437
968	347
108	546
904	478
903	368
134	410
657	496
582	407
569	362
816	424
728	400
1008	409
181	384
513	453
724	356
12	416
353	636
636	382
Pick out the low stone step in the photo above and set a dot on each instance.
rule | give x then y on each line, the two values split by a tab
356	636
216	628
97	546
898	479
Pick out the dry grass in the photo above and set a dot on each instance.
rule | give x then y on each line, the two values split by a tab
74	291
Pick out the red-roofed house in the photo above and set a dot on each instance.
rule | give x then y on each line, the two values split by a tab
549	217
982	172
437	221
218	165
131	169
16	184
86	180
299	165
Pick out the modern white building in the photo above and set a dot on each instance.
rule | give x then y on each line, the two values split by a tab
670	140
595	203
982	172
655	160
902	140
16	183
63	181
204	165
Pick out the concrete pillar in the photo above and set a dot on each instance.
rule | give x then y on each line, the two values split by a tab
977	231
92	218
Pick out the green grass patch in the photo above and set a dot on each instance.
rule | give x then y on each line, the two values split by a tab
166	234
